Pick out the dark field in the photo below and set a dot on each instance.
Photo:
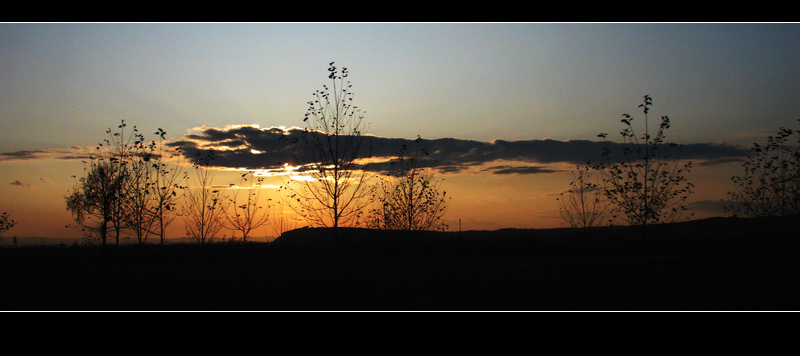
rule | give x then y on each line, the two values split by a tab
714	264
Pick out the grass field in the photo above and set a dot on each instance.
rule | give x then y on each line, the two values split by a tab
714	264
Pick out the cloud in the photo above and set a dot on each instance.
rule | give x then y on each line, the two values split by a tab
18	183
517	169
77	153
268	149
248	147
251	147
717	206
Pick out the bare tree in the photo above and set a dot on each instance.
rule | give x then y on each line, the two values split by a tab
648	185
246	215
331	151
583	205
204	206
409	197
770	185
139	202
165	186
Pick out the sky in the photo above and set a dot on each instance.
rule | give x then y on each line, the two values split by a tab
509	107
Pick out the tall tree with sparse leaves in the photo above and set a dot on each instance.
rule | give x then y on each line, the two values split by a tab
138	200
166	185
99	198
121	151
204	205
332	153
648	184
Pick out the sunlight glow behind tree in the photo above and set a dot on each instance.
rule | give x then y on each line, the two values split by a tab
409	197
330	145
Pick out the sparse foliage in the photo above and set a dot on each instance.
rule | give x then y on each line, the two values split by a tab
583	205
121	151
331	151
138	200
648	185
246	214
770	185
409	197
165	186
6	223
204	205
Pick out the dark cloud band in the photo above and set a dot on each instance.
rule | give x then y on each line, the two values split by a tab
251	147
254	148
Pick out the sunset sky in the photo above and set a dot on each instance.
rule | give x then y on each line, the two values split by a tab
511	107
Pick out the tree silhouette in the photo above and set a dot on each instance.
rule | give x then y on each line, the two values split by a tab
6	223
94	198
98	198
165	186
127	185
583	205
648	185
204	206
139	196
121	151
330	149
409	197
246	215
770	185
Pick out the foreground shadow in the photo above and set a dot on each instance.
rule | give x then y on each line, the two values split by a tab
713	264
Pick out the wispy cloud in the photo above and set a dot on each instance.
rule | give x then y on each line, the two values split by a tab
709	205
503	169
20	184
75	152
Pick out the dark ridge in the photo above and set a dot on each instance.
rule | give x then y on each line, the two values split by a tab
711	264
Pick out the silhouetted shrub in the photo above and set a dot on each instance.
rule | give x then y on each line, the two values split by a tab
648	184
6	223
410	197
583	205
770	185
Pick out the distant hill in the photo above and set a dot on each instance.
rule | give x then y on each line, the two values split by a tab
690	232
34	241
711	264
688	235
51	241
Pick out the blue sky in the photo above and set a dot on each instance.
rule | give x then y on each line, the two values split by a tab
64	84
465	80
